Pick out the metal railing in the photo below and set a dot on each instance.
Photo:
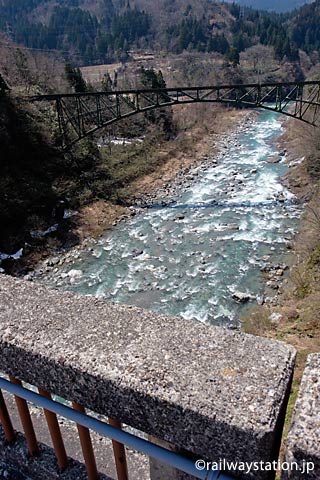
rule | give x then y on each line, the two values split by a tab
82	114
85	423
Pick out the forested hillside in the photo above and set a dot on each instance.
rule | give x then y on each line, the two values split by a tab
103	31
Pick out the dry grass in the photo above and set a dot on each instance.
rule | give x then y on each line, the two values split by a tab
96	218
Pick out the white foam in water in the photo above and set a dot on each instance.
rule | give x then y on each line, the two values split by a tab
132	283
126	253
135	232
199	195
223	311
194	272
159	216
107	248
225	238
214	302
210	269
205	228
97	253
243	225
252	236
189	266
193	312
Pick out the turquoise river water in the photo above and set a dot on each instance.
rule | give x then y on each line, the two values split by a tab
191	257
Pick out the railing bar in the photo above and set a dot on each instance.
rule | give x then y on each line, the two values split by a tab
50	97
171	458
26	421
119	454
6	420
86	446
55	433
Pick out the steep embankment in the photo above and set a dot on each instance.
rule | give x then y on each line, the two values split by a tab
298	309
38	182
295	318
301	299
28	166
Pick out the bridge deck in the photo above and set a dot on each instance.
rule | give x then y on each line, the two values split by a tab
82	114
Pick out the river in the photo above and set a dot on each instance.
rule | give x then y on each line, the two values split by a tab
201	256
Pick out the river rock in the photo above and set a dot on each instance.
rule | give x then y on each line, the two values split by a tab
137	253
275	317
274	160
260	300
272	284
29	276
233	226
51	262
279	272
74	275
241	297
281	197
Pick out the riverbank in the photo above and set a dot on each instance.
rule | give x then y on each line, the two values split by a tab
297	310
176	165
294	317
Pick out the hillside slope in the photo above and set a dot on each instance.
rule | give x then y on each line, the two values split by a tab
103	31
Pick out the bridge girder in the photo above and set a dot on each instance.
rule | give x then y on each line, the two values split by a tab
81	114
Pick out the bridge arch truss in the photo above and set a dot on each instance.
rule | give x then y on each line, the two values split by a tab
82	114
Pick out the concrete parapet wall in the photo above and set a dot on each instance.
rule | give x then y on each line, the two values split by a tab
303	443
216	393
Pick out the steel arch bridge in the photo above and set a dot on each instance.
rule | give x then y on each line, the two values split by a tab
81	114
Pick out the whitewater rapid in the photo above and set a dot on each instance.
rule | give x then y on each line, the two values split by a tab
193	257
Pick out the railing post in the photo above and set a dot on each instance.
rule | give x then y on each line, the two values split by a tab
6	420
55	434
86	446
26	421
119	454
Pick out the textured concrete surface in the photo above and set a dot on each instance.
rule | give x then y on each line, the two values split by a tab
303	443
213	392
